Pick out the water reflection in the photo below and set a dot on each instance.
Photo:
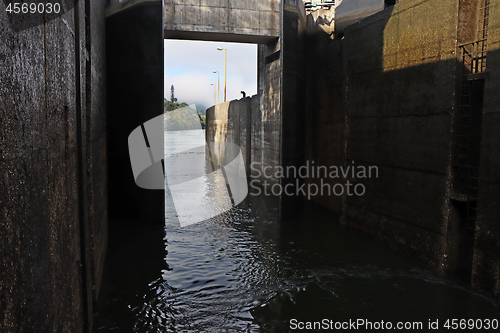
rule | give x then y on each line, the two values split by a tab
245	271
196	193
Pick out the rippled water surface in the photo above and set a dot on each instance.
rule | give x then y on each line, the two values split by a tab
248	271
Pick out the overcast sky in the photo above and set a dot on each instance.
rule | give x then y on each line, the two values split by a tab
189	66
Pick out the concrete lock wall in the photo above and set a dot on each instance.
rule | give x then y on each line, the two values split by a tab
238	122
400	86
53	195
401	108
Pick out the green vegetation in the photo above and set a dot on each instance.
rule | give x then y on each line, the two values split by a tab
172	104
169	106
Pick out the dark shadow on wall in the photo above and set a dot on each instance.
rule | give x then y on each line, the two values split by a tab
325	105
399	110
323	123
293	92
136	246
135	95
408	125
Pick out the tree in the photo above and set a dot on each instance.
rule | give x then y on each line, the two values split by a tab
172	95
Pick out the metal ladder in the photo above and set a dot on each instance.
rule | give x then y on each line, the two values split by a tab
466	180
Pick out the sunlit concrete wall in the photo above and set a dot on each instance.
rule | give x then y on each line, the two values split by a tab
53	178
238	122
275	134
134	52
226	20
399	107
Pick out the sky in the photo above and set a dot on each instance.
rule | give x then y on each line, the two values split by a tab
189	66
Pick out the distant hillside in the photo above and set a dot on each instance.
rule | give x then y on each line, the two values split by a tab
184	120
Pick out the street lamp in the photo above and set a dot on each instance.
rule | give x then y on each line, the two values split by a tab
213	84
218	85
225	69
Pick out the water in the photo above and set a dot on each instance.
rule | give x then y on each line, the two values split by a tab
247	271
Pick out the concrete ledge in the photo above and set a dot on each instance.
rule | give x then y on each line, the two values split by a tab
218	37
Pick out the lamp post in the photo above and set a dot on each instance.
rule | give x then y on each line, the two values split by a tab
212	84
218	85
225	69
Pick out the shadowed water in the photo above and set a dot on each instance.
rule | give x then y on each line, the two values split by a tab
247	271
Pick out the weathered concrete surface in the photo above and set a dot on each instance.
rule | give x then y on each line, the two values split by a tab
134	53
399	112
234	122
255	21
352	11
53	171
252	21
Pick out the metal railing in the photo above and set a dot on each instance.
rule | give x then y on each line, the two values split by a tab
474	56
